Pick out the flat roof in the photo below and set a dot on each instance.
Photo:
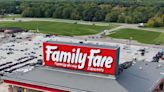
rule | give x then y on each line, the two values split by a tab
133	79
85	44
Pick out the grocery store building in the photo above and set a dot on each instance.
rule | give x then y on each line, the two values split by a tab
70	67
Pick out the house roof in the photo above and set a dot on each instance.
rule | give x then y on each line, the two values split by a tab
141	77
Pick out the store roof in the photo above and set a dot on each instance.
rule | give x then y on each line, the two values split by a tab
84	44
141	77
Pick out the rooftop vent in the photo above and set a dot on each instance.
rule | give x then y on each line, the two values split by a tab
140	68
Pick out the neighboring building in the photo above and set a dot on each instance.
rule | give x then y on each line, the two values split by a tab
65	76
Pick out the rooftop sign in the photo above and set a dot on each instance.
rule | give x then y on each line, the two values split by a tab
80	57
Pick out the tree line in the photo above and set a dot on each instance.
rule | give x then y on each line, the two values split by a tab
90	11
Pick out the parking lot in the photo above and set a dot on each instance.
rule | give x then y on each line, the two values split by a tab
30	45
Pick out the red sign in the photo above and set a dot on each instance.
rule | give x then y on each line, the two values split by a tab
79	57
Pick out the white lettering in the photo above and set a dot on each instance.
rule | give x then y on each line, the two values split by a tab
76	58
73	56
82	59
55	56
99	61
108	62
91	57
65	57
49	51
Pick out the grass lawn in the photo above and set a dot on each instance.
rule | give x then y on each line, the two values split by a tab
140	36
59	28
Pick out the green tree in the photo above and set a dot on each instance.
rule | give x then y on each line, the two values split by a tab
129	11
66	13
99	16
155	22
36	12
128	19
150	23
121	18
48	13
162	18
106	8
58	12
24	5
75	15
88	14
28	12
111	17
